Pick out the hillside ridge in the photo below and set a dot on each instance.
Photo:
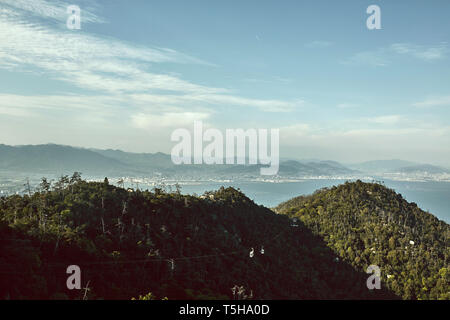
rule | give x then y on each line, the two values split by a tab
367	223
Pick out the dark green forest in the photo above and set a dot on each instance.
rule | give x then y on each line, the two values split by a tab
367	223
162	244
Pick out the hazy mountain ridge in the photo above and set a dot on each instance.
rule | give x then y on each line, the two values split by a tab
377	166
398	166
65	159
58	159
426	168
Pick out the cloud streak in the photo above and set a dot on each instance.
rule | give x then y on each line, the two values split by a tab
421	52
319	44
104	65
383	56
57	10
433	102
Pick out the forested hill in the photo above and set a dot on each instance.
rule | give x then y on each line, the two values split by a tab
130	243
369	224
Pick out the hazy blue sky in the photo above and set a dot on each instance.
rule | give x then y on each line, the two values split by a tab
139	69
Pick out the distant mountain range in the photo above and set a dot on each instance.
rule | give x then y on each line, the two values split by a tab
398	166
381	165
427	168
58	159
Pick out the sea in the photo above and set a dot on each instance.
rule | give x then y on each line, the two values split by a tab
431	196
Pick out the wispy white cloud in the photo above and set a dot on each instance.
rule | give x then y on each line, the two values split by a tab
347	105
421	52
319	44
151	122
105	65
142	112
88	61
264	105
57	102
55	9
433	102
383	56
386	120
276	79
376	58
133	106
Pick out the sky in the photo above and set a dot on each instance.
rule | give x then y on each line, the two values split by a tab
137	70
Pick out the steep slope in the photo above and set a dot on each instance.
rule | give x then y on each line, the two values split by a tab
369	224
129	243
